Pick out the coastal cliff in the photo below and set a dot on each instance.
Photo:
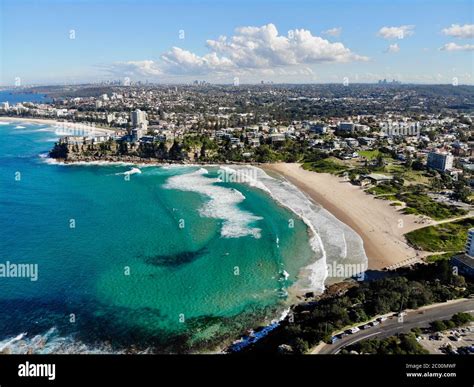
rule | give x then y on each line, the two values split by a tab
68	150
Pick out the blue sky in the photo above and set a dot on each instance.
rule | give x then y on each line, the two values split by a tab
289	41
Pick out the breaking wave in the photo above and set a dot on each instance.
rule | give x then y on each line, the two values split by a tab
132	171
330	240
50	342
223	203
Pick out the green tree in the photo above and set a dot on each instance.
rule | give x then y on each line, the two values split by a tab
438	326
301	346
462	318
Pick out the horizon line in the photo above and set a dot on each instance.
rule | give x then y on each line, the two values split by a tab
207	83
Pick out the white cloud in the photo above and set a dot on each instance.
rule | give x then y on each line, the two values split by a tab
143	68
400	32
250	50
336	31
262	47
458	31
178	60
393	48
457	47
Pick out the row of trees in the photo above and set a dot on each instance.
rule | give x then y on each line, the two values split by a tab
410	288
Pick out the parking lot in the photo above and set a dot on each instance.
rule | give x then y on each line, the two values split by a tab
450	341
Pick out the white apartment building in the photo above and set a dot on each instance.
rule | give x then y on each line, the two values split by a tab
139	119
441	161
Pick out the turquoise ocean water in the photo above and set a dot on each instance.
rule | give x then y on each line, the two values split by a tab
169	259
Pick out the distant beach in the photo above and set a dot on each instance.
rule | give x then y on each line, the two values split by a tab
62	124
380	225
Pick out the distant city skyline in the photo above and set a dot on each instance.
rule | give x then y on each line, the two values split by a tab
56	42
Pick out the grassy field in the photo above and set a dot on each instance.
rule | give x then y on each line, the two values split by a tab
422	204
329	165
395	168
383	189
370	154
410	176
415	177
440	257
446	237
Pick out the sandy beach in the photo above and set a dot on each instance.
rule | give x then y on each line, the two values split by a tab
380	225
65	125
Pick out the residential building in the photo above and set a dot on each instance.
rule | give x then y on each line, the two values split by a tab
346	126
441	161
318	129
137	134
254	142
277	138
470	243
139	120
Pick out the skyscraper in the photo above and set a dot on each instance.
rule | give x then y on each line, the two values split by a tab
139	119
139	124
441	161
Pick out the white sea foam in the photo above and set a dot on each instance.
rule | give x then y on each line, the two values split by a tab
98	163
50	342
132	171
4	123
49	160
56	139
223	203
282	316
330	240
29	131
7	343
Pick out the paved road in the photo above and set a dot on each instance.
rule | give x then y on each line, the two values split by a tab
392	326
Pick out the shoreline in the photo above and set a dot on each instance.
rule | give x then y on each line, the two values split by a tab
328	251
376	222
54	122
